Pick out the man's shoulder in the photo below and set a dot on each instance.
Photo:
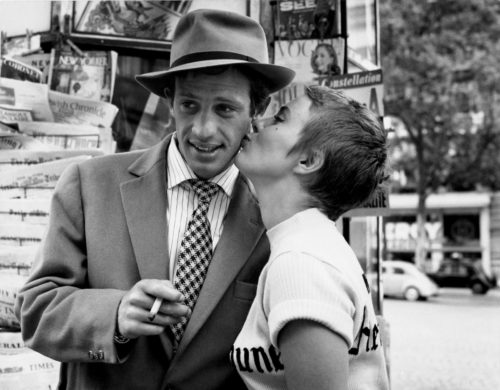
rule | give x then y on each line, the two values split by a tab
108	161
139	161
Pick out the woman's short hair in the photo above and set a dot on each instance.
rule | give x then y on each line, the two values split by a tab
259	92
353	143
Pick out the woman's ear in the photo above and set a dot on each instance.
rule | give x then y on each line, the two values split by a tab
309	162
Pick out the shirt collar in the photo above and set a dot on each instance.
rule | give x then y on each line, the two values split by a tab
178	171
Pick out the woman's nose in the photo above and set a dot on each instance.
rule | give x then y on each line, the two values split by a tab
261	123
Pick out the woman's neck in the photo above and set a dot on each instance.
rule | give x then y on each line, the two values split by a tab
279	200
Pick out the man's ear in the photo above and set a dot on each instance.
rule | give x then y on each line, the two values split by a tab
309	162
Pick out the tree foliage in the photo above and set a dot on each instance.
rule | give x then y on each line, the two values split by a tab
440	60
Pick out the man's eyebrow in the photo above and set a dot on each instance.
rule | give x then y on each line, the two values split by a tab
186	94
222	99
218	99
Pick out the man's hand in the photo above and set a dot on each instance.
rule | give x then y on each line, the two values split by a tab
133	311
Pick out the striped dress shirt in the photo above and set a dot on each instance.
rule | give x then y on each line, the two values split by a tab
182	201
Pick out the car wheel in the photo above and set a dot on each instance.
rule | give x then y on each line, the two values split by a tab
412	294
478	288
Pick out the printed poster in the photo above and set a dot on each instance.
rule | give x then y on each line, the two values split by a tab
307	19
312	60
154	20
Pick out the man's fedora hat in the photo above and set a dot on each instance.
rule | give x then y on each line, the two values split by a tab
206	38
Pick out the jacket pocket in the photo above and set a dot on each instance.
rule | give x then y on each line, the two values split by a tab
244	290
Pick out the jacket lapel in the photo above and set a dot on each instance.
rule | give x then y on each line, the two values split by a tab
144	201
242	230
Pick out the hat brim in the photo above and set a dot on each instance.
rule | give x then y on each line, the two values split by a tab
274	76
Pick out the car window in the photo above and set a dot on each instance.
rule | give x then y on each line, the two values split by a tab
461	270
454	269
399	271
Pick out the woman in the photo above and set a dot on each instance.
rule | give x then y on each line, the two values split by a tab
312	324
324	60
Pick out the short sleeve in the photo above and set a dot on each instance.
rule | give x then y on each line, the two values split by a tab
300	286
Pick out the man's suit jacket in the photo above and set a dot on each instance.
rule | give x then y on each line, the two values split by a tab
107	231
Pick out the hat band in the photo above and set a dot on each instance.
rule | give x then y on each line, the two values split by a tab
211	55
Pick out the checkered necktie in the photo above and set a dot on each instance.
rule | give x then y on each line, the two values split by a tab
195	252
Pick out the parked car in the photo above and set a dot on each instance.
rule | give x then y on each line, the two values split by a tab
463	273
404	279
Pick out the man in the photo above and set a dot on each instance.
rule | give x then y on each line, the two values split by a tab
124	229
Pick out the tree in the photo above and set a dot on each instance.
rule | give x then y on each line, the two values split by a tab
440	61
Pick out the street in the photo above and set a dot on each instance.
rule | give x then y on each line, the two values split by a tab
450	342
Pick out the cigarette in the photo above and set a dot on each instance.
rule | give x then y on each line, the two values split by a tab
154	309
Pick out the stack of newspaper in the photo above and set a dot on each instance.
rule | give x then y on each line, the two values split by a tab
43	130
55	110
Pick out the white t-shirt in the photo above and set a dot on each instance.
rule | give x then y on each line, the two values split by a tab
312	274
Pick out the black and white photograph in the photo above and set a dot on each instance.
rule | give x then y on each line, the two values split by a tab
249	195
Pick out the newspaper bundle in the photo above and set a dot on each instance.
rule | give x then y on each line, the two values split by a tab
11	114
28	370
18	158
17	259
77	110
42	132
21	233
26	95
69	136
11	343
89	76
23	182
13	141
24	210
9	287
6	129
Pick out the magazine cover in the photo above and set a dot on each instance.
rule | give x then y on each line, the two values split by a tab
312	19
136	19
90	76
40	61
15	69
313	60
